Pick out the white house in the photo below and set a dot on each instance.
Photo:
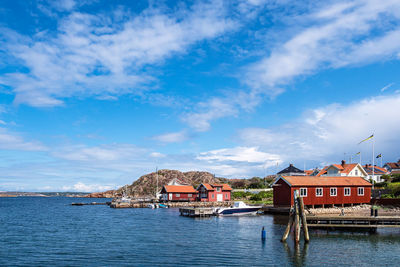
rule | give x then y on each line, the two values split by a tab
352	169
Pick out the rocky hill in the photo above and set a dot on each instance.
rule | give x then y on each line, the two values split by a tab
106	194
146	185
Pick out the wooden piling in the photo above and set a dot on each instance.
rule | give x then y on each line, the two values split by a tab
296	219
304	220
289	226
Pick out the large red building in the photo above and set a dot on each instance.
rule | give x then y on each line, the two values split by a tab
321	191
214	192
178	193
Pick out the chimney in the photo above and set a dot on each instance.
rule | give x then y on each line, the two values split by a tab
343	163
290	165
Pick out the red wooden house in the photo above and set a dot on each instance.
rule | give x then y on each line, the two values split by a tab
214	192
321	191
178	193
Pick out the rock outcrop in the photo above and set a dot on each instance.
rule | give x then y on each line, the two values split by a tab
106	194
146	185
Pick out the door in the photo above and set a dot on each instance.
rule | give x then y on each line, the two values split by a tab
170	196
219	197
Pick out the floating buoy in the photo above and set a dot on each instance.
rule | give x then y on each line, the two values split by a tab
263	235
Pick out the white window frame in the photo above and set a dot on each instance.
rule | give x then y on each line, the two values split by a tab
226	195
218	189
316	192
189	195
358	191
302	191
330	191
344	192
355	172
177	195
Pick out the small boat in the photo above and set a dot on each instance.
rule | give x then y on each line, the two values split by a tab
239	208
163	206
152	206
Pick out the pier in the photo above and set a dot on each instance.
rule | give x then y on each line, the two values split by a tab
353	222
196	212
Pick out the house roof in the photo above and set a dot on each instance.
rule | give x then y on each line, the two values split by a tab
323	171
308	172
393	165
225	187
342	168
180	189
291	169
208	187
324	181
377	170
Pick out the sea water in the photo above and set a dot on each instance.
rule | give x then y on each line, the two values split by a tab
36	231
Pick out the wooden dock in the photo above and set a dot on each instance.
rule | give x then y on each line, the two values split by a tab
196	212
353	222
89	203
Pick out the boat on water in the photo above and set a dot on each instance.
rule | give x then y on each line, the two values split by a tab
239	208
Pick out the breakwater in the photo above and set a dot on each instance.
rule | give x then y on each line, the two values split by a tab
117	204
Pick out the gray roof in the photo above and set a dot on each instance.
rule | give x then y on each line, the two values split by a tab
291	169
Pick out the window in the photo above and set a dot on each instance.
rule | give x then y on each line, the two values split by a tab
333	191
189	195
226	196
303	192
177	195
356	172
212	195
347	191
360	191
218	189
318	192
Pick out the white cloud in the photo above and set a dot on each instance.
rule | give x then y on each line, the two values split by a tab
81	187
157	155
113	152
324	134
242	154
95	55
332	42
172	137
386	87
13	141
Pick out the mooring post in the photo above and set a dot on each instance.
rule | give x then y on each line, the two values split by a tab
263	234
296	218
304	220
289	226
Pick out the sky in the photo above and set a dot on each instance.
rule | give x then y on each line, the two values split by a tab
94	94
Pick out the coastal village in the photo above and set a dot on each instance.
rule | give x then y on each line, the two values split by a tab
337	185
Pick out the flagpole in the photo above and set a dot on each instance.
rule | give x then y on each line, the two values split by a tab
381	160
373	162
360	160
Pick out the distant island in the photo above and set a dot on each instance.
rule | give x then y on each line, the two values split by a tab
42	194
147	185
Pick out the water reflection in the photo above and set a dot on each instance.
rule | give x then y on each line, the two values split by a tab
297	254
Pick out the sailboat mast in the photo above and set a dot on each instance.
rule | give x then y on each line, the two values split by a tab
157	182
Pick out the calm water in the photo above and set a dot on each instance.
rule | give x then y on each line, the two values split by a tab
49	232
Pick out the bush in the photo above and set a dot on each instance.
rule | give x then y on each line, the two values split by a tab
256	197
241	195
381	185
395	188
395	178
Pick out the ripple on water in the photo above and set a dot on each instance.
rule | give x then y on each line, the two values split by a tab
50	232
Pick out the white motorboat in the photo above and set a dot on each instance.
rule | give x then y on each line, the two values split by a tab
239	208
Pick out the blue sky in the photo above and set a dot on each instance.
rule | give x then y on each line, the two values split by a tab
94	94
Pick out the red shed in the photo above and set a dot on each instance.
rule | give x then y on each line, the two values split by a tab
214	192
323	190
179	193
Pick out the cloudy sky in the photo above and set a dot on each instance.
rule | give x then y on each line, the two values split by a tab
93	94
